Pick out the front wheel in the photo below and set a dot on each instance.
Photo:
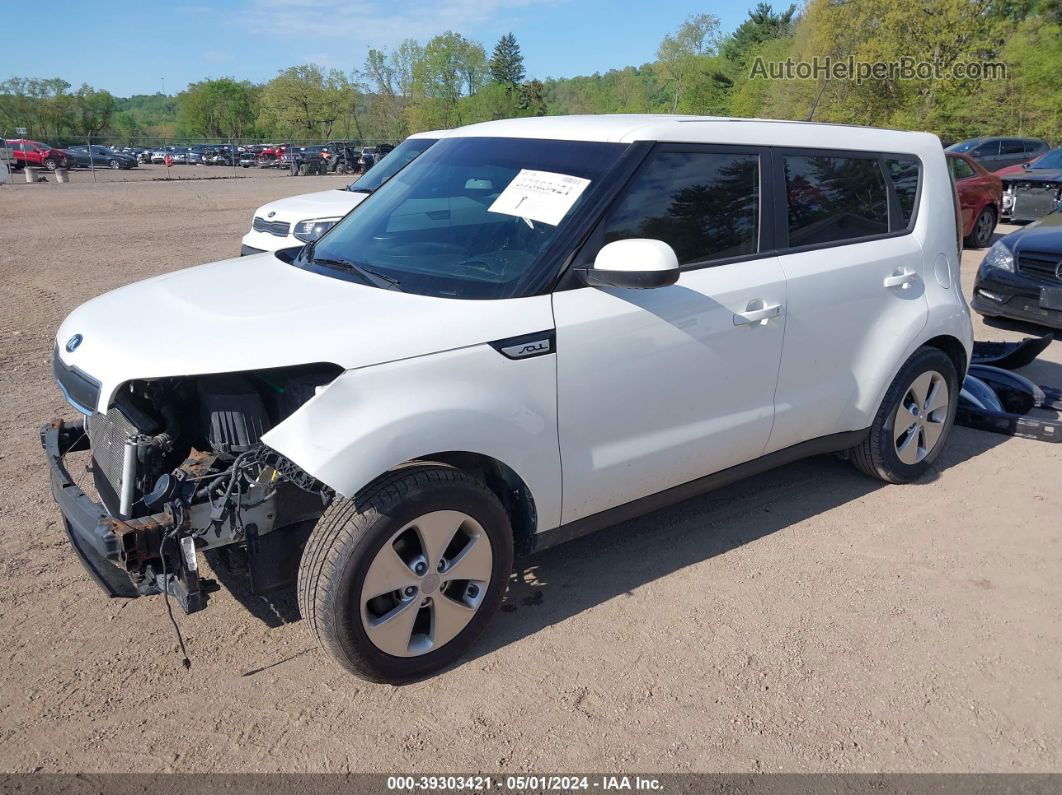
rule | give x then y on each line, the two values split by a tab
114	164
51	164
398	582
914	420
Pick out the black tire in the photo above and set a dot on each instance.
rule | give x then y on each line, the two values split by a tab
983	228
51	164
876	455
347	539
114	164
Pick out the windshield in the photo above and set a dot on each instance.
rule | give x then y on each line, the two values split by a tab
404	154
964	146
472	218
1052	159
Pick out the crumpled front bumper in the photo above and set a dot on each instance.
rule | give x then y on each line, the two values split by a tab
108	547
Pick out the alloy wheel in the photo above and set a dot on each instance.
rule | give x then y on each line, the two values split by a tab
985	224
921	417
426	583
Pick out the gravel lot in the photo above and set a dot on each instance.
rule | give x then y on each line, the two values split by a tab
810	620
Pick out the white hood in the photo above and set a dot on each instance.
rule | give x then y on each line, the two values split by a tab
258	312
323	204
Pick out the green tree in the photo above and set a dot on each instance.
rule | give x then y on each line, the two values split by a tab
221	108
305	102
388	81
678	55
450	68
762	25
533	98
506	62
92	111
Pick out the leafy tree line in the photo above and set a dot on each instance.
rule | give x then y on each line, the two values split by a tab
451	80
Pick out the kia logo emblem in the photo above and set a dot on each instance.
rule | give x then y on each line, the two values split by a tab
73	342
271	214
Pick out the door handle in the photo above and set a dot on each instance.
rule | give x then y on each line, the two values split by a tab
756	312
902	280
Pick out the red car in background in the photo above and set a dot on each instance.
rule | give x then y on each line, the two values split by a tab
33	153
980	198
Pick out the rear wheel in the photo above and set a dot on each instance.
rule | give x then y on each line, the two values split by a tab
398	582
114	164
983	228
914	420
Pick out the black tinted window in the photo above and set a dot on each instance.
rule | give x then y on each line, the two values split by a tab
834	198
904	175
704	205
1012	148
990	149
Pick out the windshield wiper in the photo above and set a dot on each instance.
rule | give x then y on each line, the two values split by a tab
368	275
360	190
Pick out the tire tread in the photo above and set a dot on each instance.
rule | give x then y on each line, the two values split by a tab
338	532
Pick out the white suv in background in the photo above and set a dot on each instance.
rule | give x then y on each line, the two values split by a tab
298	220
539	328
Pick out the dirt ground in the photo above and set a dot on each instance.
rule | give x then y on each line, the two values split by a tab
809	620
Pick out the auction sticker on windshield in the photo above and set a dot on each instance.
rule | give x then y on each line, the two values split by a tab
540	196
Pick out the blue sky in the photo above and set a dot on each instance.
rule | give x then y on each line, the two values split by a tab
127	47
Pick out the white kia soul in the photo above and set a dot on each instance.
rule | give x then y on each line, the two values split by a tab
538	328
302	219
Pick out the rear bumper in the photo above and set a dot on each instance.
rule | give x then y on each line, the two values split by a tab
999	293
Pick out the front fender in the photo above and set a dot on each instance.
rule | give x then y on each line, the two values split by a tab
472	400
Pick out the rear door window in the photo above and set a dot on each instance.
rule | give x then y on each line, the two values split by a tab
988	149
704	204
831	199
1012	147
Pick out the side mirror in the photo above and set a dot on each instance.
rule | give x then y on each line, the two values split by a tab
638	263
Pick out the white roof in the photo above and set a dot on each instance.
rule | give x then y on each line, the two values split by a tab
626	128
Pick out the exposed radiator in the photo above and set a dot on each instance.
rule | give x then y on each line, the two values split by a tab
108	434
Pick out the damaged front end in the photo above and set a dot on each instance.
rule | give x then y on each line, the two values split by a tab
179	468
1029	197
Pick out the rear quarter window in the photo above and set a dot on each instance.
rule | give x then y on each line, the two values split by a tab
830	199
905	174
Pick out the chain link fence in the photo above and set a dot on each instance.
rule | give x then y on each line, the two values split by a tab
24	159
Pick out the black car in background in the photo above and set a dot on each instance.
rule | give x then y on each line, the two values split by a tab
996	152
1021	275
99	157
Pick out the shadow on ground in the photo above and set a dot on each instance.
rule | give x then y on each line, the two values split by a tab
561	582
